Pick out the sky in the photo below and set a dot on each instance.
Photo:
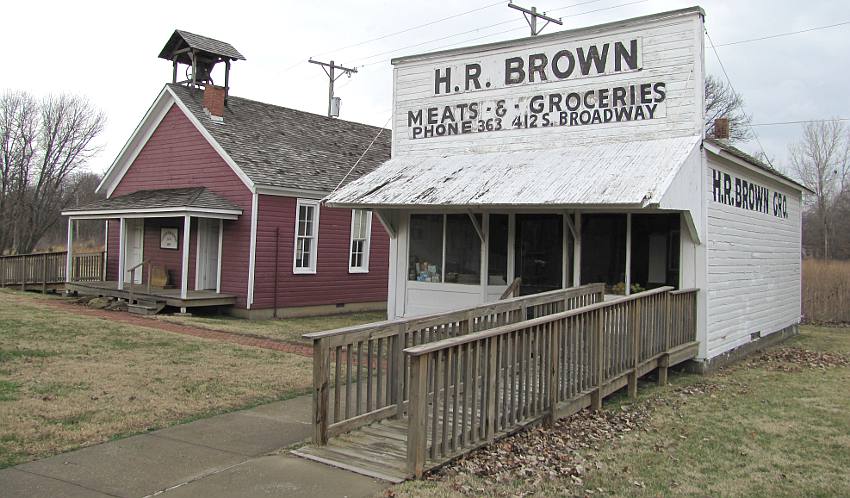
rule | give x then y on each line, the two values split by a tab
107	51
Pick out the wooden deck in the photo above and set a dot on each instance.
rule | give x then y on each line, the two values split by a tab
395	399
171	297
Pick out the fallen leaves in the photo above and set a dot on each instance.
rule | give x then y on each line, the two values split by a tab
794	359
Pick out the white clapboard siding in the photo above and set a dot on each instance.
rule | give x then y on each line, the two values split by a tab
671	52
753	264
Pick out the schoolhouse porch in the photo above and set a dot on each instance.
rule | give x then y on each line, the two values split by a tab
166	248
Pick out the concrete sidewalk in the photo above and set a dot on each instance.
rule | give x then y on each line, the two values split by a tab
236	454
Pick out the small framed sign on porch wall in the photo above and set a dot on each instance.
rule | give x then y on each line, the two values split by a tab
168	238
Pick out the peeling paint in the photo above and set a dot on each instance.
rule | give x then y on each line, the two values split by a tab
618	173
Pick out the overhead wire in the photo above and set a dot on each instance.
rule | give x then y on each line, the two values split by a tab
731	86
779	35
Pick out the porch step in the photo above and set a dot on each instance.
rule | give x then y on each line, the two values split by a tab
144	307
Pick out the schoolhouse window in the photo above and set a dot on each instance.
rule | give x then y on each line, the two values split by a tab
444	248
306	236
361	226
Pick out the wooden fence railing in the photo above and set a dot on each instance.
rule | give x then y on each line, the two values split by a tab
370	377
49	268
466	390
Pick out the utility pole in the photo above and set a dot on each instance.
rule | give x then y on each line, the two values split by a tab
330	68
531	16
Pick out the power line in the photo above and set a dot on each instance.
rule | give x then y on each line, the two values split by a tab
728	80
413	28
490	34
389	35
802	121
779	35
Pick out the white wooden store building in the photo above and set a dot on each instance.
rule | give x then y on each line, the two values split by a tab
578	157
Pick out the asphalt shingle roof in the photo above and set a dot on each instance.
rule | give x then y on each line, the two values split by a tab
194	197
280	147
182	39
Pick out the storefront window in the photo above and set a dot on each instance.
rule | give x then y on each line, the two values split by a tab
426	248
463	251
432	236
497	259
603	251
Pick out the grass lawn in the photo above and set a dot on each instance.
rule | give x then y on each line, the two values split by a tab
68	380
288	329
760	428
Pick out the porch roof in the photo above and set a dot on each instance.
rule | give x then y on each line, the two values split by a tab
194	201
627	174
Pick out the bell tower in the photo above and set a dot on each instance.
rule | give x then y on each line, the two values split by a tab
200	55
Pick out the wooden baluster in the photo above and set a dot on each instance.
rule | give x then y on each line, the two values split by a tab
636	346
491	382
337	393
435	404
321	393
370	359
347	380
359	397
553	373
397	384
418	415
596	395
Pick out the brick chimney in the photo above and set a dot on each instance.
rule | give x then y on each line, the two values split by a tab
721	128
214	102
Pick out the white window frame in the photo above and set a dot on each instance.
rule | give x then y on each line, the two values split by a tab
314	255
364	268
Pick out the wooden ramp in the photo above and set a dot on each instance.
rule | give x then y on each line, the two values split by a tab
407	407
378	450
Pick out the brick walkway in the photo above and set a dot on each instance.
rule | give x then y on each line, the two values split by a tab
153	323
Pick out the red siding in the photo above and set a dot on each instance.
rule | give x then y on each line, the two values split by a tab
332	284
177	155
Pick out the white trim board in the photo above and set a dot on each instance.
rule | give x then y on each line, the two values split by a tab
227	214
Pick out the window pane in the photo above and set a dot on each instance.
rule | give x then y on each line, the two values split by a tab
497	261
603	250
463	251
426	247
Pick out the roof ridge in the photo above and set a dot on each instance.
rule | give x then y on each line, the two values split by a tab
245	99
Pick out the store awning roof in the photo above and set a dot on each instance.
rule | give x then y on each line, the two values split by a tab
192	201
635	174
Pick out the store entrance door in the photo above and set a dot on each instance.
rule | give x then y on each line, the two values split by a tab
539	250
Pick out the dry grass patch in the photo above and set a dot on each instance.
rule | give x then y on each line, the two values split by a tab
68	381
283	329
826	291
751	430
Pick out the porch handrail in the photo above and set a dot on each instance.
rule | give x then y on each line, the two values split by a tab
132	272
468	390
372	354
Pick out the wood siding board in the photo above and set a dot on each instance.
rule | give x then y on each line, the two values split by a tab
753	264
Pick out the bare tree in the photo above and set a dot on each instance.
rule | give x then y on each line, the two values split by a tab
723	102
42	145
820	160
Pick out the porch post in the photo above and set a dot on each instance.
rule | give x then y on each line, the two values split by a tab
69	257
122	240
485	252
184	273
577	252
218	270
628	279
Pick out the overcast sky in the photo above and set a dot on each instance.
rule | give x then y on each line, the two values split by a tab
108	52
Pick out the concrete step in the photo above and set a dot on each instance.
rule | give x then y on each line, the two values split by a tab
143	307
